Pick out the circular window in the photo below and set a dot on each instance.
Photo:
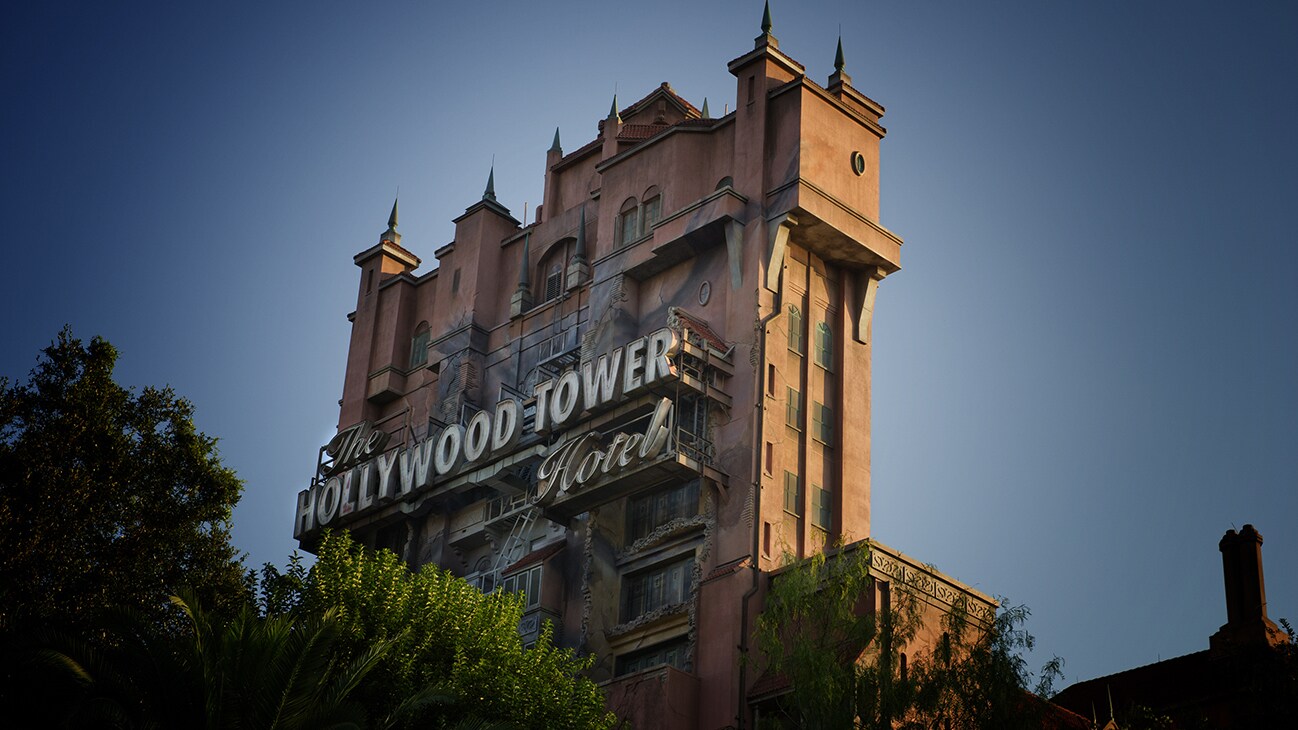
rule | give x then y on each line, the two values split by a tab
858	163
705	292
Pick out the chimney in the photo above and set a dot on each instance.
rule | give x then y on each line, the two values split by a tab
1247	624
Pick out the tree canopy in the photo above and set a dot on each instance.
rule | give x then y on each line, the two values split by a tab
843	661
445	633
108	497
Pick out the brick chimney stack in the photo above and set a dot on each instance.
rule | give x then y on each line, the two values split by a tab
1247	624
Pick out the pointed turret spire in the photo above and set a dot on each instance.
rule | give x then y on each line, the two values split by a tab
766	39
705	114
554	147
490	192
613	111
391	233
839	78
578	270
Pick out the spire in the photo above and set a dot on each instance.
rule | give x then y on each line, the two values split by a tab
391	233
612	110
766	40
839	78
705	114
1109	690
578	270
490	192
554	147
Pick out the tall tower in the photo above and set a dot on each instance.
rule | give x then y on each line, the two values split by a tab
634	407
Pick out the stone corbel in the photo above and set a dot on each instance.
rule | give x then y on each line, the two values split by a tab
779	228
867	287
735	250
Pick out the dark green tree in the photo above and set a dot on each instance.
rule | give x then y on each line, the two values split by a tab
108	497
216	671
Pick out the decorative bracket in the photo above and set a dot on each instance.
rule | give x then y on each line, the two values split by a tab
779	228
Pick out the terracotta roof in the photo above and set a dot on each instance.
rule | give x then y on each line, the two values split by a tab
730	568
701	328
536	556
666	90
641	131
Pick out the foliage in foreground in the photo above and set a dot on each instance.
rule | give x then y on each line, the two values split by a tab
222	671
845	664
444	632
108	497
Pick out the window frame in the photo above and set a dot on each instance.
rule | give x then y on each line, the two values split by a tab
793	409
418	351
822	508
526	581
628	214
793	493
647	511
797	340
639	588
824	346
822	423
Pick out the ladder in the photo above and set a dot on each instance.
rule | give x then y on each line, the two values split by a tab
513	547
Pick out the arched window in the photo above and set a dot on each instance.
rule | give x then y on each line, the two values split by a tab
725	182
419	346
824	345
486	579
628	222
796	341
550	277
653	207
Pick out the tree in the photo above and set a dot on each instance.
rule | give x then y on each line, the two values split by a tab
108	497
220	671
843	660
444	633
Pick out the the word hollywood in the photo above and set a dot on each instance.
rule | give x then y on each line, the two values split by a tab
363	476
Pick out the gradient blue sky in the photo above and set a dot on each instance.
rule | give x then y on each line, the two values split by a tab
1084	373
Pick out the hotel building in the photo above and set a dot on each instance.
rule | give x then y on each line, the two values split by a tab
633	406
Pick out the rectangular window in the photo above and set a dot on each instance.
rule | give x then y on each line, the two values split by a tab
793	411
671	653
527	582
822	427
824	346
821	511
658	587
792	493
648	512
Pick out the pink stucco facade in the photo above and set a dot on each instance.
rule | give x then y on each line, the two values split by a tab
753	240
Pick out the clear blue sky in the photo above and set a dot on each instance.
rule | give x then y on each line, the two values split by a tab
1084	373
